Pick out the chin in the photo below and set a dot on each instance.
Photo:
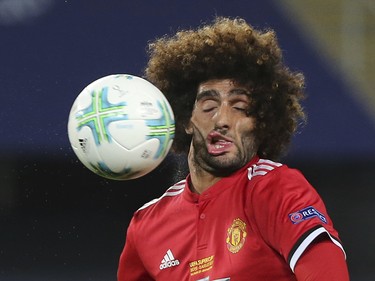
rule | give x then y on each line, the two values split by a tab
224	166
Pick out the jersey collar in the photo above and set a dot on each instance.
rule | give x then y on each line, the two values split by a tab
218	187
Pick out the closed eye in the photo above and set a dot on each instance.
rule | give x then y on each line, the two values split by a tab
209	105
241	106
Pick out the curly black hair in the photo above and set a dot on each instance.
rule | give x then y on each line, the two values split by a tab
230	48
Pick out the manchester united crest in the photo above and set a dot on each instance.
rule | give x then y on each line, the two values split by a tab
236	236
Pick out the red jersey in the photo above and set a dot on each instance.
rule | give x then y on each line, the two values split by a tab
252	225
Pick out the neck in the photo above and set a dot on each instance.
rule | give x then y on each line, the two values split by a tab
200	180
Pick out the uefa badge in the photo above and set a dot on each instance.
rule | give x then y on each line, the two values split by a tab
236	236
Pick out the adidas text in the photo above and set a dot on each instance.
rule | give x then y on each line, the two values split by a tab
169	264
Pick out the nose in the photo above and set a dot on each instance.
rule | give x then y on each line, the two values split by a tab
222	117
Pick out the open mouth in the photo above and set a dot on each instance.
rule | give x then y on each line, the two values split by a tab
218	144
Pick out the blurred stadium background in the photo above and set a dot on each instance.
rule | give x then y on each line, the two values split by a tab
61	222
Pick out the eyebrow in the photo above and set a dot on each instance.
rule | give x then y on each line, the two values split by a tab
214	93
207	93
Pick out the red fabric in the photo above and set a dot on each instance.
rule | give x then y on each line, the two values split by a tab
322	261
250	225
131	266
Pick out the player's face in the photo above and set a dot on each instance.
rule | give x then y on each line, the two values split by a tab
223	139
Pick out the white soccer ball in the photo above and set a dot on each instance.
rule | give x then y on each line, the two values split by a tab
121	127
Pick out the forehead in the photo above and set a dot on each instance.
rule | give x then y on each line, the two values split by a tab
222	85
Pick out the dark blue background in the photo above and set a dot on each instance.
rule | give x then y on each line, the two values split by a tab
47	61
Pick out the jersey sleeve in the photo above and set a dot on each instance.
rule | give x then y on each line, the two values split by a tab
130	266
290	214
322	261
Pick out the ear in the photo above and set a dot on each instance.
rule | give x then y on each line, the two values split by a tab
189	128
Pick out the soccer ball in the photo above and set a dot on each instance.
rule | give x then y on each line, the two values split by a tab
121	127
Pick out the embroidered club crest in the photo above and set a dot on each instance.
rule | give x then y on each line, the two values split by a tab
236	236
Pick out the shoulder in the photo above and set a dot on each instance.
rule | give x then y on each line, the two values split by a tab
261	168
170	194
278	190
147	220
268	171
276	182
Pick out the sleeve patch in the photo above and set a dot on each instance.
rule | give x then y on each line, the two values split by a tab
305	214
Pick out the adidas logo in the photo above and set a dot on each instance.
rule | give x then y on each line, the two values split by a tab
168	261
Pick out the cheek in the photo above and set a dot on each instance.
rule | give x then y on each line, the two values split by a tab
245	135
199	121
245	127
